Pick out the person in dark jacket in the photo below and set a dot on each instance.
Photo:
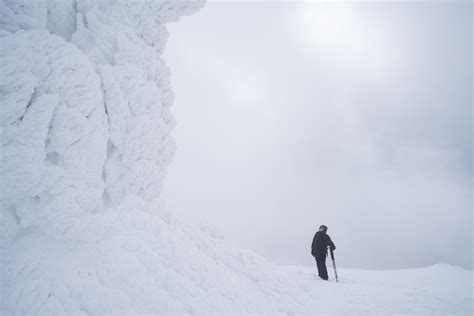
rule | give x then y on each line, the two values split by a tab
319	248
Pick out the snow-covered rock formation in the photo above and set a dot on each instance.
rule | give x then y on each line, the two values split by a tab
85	116
85	140
85	134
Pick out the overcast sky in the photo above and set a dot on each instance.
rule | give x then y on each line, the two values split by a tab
357	116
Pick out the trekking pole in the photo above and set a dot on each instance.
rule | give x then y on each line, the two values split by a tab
334	263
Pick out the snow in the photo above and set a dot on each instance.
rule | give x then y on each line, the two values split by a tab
133	261
438	289
85	135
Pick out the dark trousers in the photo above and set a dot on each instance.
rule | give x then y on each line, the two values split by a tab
321	263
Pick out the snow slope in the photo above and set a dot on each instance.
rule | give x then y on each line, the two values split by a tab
439	289
85	136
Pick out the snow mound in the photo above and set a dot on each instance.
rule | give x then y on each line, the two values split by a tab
133	261
85	136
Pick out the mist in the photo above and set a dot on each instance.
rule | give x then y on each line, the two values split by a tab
353	115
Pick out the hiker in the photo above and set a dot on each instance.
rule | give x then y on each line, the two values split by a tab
319	249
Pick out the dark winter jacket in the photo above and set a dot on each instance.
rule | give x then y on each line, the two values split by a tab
321	241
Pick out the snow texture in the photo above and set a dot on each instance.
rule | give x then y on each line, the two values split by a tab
85	116
85	141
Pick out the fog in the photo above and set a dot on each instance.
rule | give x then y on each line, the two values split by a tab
357	116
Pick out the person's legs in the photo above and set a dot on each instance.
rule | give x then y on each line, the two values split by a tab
318	266
321	263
